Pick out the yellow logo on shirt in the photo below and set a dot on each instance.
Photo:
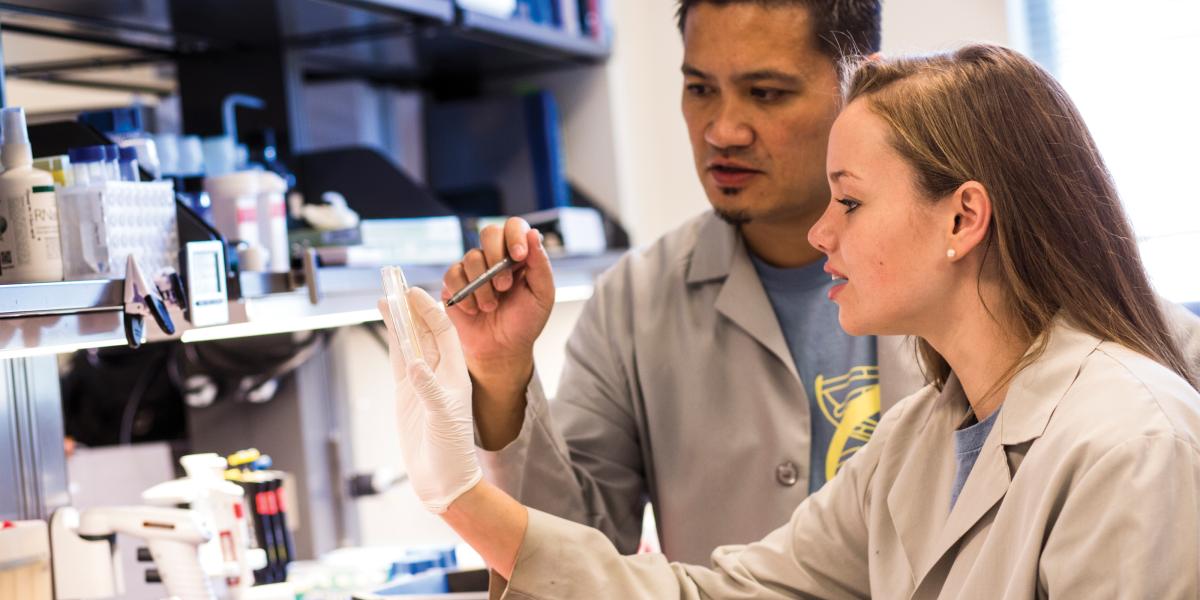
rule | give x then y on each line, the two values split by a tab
851	403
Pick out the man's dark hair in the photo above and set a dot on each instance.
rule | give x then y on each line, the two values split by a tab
843	28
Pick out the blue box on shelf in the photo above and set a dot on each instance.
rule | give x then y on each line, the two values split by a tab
431	581
417	561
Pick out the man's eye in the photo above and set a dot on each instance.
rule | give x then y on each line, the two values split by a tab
698	89
767	94
850	205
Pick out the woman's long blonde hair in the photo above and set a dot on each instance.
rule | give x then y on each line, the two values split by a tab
1059	241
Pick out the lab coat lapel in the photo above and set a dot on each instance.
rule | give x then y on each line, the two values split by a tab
1034	393
985	487
915	502
744	301
1032	397
720	252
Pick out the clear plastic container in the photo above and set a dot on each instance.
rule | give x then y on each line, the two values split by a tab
396	288
112	165
128	163
190	157
147	155
167	146
102	223
87	165
220	155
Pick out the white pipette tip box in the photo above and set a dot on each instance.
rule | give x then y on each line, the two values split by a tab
396	288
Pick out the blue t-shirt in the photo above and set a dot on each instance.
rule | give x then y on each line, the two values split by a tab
839	372
968	441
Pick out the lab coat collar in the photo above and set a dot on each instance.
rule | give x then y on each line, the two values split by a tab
744	301
917	515
1032	397
713	253
719	253
1035	391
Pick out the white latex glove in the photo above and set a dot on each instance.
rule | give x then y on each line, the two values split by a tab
437	431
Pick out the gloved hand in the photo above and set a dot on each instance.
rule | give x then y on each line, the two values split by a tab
433	402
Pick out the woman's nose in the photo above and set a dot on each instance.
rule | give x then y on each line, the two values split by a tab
821	236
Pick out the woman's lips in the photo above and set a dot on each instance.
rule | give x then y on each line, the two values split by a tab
837	289
839	279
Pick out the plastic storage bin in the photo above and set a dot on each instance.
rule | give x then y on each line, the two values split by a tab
102	224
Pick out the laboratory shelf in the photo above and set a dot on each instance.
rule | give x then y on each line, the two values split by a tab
282	302
142	26
442	56
442	10
431	44
148	24
538	39
26	299
53	318
569	272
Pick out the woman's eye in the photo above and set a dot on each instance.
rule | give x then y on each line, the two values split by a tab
849	204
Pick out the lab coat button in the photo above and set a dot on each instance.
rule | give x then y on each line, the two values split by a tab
787	474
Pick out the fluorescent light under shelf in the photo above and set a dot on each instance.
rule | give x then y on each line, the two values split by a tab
51	349
268	327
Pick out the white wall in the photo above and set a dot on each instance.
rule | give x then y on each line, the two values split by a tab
916	26
657	183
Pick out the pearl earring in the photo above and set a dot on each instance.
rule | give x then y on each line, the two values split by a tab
951	253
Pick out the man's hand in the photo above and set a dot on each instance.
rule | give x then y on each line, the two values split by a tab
499	323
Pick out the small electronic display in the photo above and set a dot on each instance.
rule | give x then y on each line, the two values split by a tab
208	304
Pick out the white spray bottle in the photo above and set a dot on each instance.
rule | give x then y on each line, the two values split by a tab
29	240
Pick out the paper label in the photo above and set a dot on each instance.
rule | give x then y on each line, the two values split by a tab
29	242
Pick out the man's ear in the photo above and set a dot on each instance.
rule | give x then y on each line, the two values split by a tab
971	211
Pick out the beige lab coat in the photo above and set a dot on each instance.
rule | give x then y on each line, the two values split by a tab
1088	486
680	389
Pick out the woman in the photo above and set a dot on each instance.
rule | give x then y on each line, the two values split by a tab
1057	450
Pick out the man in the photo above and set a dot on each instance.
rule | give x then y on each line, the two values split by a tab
708	374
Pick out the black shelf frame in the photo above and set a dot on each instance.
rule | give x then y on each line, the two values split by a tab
532	43
156	39
440	10
532	37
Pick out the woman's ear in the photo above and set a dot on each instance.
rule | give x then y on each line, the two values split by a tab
971	206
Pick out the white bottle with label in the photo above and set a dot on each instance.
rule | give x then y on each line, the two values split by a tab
29	240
